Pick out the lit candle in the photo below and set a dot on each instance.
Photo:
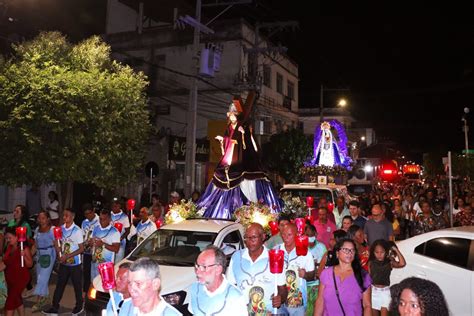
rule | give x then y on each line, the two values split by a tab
107	274
273	227
300	225
301	243
119	226
130	204
58	235
309	201
276	259
21	235
158	223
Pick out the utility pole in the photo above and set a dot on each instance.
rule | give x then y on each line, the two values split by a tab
321	100
189	171
192	114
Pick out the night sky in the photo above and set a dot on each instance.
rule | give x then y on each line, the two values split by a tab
410	68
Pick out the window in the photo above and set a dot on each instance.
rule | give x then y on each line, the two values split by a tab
454	251
291	90
279	85
267	76
231	243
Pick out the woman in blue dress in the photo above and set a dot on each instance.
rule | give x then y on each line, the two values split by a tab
45	258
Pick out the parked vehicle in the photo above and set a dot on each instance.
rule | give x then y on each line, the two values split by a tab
330	191
445	257
176	247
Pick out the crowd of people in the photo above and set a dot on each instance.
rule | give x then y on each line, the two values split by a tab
346	271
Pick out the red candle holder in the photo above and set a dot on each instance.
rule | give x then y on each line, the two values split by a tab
107	275
300	225
21	234
301	243
273	227
119	226
130	204
276	260
58	233
158	223
330	207
309	218
309	201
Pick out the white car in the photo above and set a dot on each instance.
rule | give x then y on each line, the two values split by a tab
445	257
176	247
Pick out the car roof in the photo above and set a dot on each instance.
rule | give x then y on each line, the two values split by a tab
461	232
311	185
202	224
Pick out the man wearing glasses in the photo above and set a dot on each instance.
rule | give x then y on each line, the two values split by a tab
212	294
378	227
144	285
249	270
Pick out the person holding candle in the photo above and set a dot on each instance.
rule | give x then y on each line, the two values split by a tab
249	271
104	242
119	216
276	239
317	250
298	270
145	226
16	275
121	293
91	220
70	264
212	294
45	258
144	285
344	289
20	219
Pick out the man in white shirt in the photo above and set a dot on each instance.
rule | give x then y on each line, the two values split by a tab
145	226
144	286
91	219
120	217
298	270
212	294
249	270
70	264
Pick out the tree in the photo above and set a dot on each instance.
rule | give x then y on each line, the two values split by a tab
286	152
70	113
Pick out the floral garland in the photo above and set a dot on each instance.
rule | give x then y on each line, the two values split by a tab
293	207
181	211
337	170
254	213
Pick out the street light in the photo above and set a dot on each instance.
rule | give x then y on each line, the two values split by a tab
342	102
466	129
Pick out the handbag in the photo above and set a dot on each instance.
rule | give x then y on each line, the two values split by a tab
337	292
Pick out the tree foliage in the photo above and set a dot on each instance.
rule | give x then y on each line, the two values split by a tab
70	113
286	152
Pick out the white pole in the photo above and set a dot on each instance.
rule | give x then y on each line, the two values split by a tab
275	310
114	307
450	178
59	245
22	259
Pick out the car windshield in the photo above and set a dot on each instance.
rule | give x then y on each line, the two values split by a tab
303	193
174	247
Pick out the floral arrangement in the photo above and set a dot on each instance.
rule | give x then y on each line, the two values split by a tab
183	210
315	171
293	207
255	213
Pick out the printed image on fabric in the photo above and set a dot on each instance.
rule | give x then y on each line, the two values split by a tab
256	305
98	255
67	250
295	297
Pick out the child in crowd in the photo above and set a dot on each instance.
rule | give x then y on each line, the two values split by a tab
384	256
